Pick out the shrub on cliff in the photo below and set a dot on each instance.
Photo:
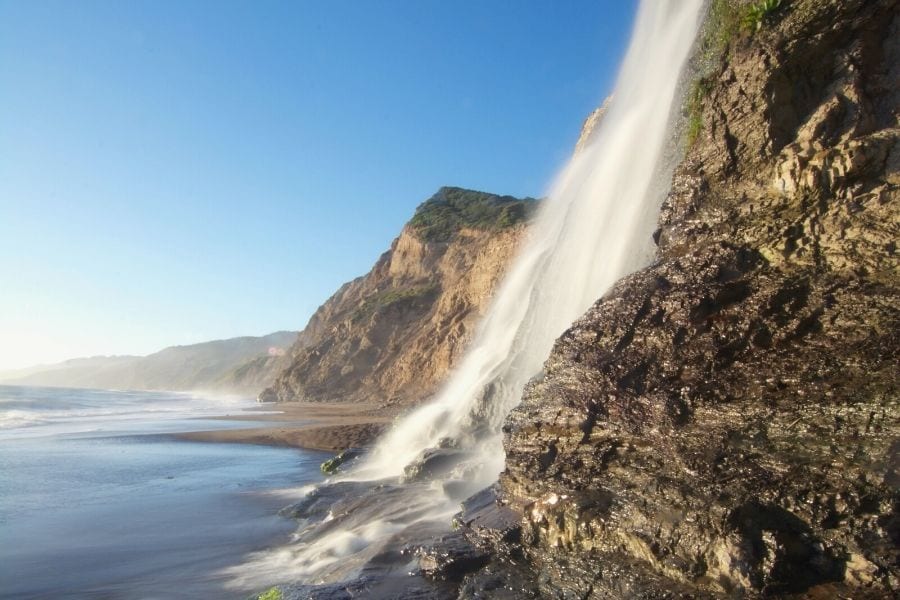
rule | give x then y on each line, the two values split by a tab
440	218
759	12
395	297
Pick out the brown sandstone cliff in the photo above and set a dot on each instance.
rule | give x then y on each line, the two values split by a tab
726	422
391	336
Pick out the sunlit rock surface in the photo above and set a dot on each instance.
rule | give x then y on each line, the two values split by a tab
391	336
725	423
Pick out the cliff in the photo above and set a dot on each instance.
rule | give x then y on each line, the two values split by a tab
725	423
391	336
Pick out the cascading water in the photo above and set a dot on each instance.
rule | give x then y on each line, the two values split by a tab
594	228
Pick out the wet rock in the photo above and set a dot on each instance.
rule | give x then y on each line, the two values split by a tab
341	461
320	500
267	395
451	557
395	585
725	423
508	582
433	463
487	522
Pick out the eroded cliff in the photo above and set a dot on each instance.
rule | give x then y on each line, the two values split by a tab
391	336
725	422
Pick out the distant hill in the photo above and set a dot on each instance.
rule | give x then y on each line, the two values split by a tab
241	365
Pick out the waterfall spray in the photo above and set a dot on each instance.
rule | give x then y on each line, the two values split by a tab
594	228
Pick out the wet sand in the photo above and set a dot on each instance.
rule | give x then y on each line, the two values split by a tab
314	426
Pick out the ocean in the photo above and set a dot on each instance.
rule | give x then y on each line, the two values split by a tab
99	500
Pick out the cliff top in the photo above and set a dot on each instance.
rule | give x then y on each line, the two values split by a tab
451	209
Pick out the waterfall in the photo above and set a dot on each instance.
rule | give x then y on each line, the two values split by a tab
595	227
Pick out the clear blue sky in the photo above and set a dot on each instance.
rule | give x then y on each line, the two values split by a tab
174	172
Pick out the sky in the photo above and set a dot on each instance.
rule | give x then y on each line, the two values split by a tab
177	172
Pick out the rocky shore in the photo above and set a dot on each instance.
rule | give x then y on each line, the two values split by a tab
726	422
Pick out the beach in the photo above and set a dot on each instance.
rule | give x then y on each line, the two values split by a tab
330	427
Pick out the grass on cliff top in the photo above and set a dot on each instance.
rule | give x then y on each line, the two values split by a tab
440	218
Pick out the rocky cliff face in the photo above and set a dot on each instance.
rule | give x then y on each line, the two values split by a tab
391	336
726	422
590	126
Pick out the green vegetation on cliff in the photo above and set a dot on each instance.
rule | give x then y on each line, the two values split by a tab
723	24
758	13
694	108
727	21
394	296
390	337
440	218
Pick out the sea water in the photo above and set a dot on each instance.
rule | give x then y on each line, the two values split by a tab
99	500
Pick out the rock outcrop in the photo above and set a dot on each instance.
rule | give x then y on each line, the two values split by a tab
589	127
726	422
391	336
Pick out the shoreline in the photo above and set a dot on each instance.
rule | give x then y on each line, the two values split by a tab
328	427
128	508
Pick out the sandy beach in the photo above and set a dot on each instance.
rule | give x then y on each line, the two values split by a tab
315	426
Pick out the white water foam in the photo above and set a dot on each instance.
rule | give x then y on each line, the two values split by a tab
595	227
41	411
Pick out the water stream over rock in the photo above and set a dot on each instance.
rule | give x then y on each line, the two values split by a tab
595	227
